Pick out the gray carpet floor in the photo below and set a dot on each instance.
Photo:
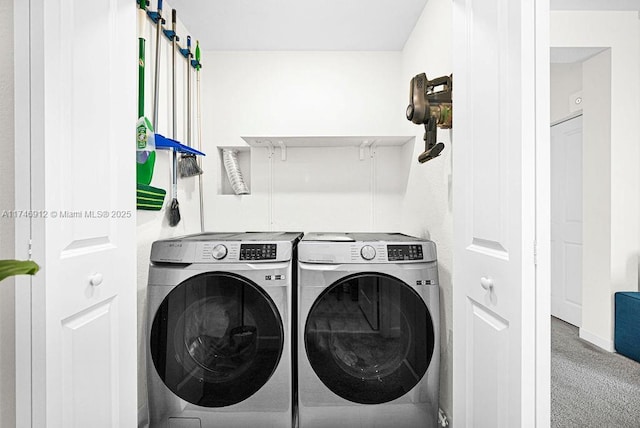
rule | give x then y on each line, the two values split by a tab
591	387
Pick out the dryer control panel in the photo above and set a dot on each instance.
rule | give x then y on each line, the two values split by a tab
404	252
366	252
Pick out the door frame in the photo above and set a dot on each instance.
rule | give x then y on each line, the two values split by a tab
542	243
25	193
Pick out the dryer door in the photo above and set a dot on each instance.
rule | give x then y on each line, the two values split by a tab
369	337
216	339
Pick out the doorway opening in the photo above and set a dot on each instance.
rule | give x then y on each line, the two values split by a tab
580	83
589	385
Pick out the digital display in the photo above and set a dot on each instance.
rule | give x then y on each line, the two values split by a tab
404	252
258	251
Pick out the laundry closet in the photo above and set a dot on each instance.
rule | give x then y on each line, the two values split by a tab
321	141
312	104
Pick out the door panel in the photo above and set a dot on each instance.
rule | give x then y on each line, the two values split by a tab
81	91
488	331
88	342
566	221
485	181
494	212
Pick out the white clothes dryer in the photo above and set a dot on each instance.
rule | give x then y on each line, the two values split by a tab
368	331
219	330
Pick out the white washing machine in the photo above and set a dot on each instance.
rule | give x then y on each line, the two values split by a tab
219	330
368	331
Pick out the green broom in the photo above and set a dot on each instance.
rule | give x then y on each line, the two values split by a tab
199	124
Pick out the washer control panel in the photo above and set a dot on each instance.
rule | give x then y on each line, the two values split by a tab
368	252
204	248
219	252
404	252
258	251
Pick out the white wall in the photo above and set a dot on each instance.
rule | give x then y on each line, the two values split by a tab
426	208
621	32
566	79
597	203
276	94
7	311
153	225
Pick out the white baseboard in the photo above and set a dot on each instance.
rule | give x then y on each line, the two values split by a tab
600	342
143	417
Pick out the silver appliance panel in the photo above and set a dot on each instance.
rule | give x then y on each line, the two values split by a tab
334	248
245	247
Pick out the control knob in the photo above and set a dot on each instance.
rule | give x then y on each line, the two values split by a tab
368	252
219	252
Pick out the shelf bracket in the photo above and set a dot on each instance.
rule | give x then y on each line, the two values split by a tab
283	150
270	148
363	145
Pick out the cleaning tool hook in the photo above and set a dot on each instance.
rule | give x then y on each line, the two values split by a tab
157	15
186	52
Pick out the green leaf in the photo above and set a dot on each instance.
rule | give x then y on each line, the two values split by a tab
17	267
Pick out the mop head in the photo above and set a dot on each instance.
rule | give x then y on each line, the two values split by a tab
174	213
188	166
149	198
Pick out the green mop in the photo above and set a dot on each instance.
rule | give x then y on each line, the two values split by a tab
145	139
147	197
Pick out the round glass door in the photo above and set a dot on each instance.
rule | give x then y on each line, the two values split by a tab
369	338
216	339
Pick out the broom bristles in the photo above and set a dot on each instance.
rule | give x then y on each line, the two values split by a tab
174	213
188	166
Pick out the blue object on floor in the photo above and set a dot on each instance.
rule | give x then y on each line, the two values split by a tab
627	328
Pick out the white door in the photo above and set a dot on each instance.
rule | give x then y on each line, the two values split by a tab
497	60
566	221
75	117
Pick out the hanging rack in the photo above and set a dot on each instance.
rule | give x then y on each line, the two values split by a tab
162	142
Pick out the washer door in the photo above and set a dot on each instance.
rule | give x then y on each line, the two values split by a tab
216	339
369	337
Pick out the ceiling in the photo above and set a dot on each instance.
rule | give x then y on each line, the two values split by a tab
595	5
321	25
295	25
567	55
571	55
